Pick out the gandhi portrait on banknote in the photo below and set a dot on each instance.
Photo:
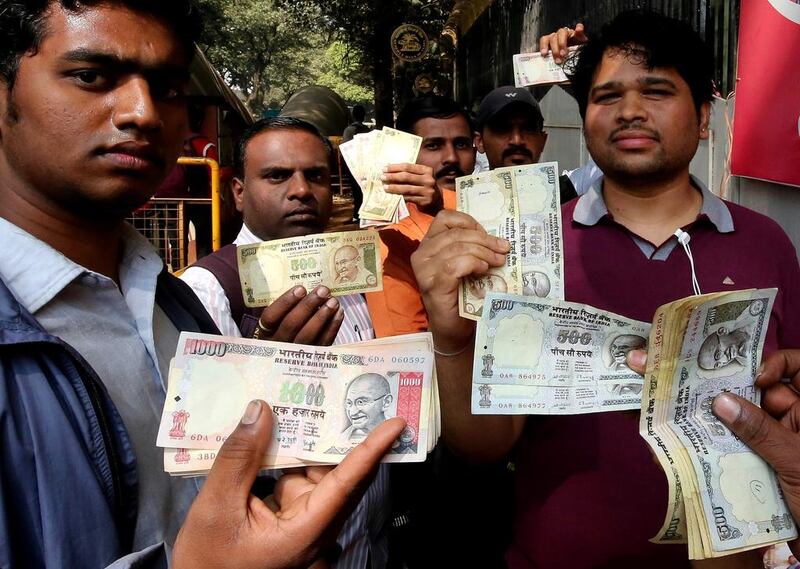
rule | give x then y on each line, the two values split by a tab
535	283
349	267
619	348
489	283
367	403
724	347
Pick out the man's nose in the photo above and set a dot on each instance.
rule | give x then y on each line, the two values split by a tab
449	155
299	187
135	107
516	136
631	109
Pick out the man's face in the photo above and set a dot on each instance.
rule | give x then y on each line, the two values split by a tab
96	116
366	402
346	261
640	124
512	137
447	148
286	191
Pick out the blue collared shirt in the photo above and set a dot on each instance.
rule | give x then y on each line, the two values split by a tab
125	337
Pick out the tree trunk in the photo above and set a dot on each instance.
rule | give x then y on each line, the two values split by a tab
382	68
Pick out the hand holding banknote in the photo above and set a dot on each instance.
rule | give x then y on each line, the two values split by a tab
559	42
229	527
303	318
415	182
455	247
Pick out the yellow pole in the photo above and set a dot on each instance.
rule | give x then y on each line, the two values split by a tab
216	199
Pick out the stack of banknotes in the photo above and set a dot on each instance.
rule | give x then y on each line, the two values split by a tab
533	69
347	262
366	156
723	498
521	204
325	400
538	356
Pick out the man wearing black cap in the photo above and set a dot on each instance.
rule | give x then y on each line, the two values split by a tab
510	128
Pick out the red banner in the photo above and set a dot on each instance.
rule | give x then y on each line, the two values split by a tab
766	127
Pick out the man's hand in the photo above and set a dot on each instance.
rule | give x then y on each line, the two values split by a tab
229	527
416	184
301	318
559	42
455	247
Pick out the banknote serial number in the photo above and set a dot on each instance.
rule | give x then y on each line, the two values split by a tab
407	359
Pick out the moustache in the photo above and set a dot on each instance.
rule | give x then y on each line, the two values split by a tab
517	150
448	170
637	127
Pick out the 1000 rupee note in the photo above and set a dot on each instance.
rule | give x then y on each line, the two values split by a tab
394	147
520	204
325	399
347	262
193	462
541	356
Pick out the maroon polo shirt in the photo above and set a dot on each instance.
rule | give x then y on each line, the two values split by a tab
589	493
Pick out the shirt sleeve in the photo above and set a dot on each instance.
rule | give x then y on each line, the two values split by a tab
153	557
212	295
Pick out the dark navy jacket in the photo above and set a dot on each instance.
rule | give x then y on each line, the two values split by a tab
68	482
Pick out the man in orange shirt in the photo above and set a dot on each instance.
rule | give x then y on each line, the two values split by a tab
447	152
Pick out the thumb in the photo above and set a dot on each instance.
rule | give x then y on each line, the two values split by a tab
767	437
239	460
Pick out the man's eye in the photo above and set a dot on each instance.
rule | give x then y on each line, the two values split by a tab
90	78
658	93
432	146
167	91
606	98
461	145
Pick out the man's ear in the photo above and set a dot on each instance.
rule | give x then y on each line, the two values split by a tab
387	401
479	142
237	189
705	119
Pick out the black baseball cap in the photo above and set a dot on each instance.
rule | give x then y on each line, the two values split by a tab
501	98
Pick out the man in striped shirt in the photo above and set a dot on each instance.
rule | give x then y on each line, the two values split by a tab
282	187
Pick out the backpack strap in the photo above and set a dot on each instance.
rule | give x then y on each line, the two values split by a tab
222	264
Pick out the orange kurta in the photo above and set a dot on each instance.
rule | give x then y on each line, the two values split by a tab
398	308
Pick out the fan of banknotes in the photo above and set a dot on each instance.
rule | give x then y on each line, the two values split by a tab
348	262
723	498
325	400
534	69
521	204
367	155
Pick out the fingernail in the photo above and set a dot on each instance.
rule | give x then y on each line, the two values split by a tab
385	187
726	408
563	53
638	358
323	292
385	168
759	371
504	244
383	177
252	413
299	291
339	314
333	304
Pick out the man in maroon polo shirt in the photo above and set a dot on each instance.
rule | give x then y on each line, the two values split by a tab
588	482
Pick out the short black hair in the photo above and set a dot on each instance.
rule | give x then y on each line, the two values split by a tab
23	25
273	123
431	106
649	39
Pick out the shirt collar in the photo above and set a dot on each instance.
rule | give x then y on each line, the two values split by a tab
246	237
591	206
36	273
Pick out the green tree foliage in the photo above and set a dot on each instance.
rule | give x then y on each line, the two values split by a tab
268	52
